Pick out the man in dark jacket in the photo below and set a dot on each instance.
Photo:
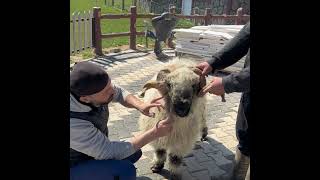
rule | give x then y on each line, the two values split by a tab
232	52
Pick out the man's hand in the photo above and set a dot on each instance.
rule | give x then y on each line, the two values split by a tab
163	127
214	87
145	107
205	67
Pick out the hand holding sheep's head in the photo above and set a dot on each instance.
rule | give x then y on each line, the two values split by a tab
179	86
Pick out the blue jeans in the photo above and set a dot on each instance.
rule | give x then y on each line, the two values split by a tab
106	169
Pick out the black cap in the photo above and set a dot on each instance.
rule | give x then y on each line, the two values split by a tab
86	78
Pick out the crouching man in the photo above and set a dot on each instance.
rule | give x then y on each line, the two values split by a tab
92	155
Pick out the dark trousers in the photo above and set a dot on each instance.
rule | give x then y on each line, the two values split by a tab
106	169
242	125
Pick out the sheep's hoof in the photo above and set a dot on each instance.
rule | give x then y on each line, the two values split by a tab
175	177
204	134
204	139
156	168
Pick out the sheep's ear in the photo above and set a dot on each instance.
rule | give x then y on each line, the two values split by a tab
152	84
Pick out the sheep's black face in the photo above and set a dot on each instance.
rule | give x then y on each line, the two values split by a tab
183	102
181	99
181	87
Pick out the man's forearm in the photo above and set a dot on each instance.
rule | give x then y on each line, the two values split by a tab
132	102
143	139
237	82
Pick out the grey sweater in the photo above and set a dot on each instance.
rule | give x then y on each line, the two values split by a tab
87	139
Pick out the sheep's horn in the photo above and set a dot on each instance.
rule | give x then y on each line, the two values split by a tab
196	70
153	84
202	78
164	72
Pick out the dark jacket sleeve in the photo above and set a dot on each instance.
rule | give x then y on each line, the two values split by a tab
237	82
233	51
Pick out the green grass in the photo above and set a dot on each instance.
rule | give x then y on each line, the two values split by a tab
115	26
84	5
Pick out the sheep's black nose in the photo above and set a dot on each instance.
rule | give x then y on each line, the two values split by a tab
183	105
182	108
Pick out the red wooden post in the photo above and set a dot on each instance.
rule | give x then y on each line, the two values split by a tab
239	16
207	17
97	31
133	18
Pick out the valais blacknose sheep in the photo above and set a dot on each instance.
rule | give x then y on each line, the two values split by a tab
179	83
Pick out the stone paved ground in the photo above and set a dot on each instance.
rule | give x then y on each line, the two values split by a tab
212	159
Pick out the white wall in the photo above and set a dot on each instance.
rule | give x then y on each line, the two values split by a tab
186	7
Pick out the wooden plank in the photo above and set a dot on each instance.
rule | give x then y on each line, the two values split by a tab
82	19
71	39
115	16
79	32
112	35
85	31
140	33
97	33
119	16
74	31
147	15
90	28
133	19
190	16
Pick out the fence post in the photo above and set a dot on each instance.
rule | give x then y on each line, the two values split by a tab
122	5
239	16
133	18
227	7
207	17
195	12
97	31
172	10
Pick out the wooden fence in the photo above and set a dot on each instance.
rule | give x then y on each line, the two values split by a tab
85	27
81	36
132	33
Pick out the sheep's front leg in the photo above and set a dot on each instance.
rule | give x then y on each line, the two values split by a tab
160	156
175	162
204	128
204	133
